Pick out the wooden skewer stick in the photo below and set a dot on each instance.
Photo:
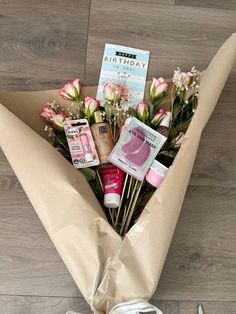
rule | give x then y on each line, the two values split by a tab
132	208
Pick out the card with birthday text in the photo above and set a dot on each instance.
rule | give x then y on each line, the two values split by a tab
127	66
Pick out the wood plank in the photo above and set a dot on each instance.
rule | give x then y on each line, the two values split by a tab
167	307
42	44
215	162
150	26
29	262
57	305
209	307
218	4
201	264
42	305
153	1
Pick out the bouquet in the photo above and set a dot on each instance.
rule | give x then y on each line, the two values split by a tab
124	152
113	273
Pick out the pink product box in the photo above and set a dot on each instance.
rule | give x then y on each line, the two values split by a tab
137	148
81	144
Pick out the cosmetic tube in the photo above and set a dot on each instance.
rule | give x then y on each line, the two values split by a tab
156	173
112	179
86	147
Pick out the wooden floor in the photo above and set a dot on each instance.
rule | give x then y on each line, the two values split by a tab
45	43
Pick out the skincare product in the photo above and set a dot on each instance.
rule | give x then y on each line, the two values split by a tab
80	141
156	173
112	179
86	147
102	137
164	126
136	148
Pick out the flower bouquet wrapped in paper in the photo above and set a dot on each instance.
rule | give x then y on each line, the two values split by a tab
112	222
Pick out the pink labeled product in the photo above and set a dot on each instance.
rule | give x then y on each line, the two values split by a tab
137	148
156	173
81	144
112	179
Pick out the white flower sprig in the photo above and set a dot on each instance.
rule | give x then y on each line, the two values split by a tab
185	81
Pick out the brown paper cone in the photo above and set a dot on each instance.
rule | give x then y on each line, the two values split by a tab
106	269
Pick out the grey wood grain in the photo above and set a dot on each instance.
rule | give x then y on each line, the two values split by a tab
215	163
208	307
42	44
167	307
175	35
218	4
29	263
201	264
42	305
152	1
57	305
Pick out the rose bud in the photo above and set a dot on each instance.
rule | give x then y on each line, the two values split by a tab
124	91
113	91
57	121
143	111
158	87
91	105
71	90
108	92
156	120
47	113
178	140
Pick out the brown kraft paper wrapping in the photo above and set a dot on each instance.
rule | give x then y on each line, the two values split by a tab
106	269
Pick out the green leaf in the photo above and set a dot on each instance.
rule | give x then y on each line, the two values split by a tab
151	110
173	132
168	153
132	112
89	173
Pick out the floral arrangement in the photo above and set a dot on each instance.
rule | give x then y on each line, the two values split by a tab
167	111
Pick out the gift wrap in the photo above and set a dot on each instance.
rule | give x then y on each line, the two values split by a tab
108	270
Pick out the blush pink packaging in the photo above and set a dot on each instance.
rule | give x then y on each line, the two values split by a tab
81	144
112	179
156	173
136	148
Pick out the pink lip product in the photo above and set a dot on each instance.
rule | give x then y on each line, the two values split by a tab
112	179
136	148
81	144
86	147
156	173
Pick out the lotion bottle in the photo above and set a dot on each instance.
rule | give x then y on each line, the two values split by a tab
102	137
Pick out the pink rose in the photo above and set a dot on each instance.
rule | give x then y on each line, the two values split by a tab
143	111
91	105
47	113
113	91
124	91
158	87
71	90
156	120
178	140
57	121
